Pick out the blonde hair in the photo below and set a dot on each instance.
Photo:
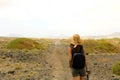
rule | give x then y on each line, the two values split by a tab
76	40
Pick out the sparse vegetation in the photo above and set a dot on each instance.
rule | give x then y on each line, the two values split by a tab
64	42
102	46
26	43
22	43
44	43
116	68
18	66
99	45
29	58
91	45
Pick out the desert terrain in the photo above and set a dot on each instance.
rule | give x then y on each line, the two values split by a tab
50	63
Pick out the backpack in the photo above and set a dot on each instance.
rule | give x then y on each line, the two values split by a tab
78	57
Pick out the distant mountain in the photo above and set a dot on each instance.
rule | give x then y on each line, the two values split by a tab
113	35
15	35
117	34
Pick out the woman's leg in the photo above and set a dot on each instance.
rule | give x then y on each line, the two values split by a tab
75	73
82	78
76	78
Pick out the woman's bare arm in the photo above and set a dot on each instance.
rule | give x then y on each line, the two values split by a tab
69	56
85	60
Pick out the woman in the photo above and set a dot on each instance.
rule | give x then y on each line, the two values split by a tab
76	43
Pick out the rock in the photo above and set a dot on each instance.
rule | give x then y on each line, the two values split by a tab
30	78
2	74
95	64
116	79
11	72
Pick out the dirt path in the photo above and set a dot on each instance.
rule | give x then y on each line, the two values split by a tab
99	65
58	61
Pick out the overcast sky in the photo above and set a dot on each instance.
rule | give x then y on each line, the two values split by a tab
48	18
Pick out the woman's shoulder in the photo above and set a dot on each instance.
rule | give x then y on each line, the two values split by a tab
77	45
80	46
71	45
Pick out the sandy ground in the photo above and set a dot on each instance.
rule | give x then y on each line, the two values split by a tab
52	65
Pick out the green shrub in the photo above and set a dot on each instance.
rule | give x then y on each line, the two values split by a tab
23	43
90	45
102	45
116	68
105	46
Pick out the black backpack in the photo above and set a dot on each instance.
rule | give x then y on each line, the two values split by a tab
78	57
